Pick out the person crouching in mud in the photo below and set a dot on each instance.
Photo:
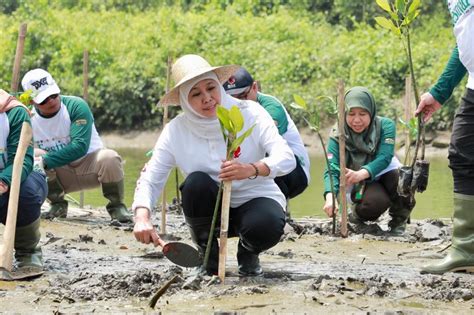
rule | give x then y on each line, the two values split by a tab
372	168
193	141
33	187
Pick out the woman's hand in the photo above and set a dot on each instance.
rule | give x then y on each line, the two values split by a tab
234	170
39	152
354	177
144	230
328	207
3	188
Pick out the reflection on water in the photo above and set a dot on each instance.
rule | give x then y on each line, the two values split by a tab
435	202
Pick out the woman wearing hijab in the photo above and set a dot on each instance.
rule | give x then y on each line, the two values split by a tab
193	141
33	187
372	168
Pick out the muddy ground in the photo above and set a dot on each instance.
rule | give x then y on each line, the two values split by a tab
95	266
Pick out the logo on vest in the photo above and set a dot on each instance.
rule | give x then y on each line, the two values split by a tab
40	83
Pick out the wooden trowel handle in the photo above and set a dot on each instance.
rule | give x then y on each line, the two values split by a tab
6	254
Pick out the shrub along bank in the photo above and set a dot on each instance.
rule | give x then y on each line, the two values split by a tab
287	50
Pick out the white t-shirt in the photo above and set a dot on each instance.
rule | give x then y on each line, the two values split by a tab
178	146
462	12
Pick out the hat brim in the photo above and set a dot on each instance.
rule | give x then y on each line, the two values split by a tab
53	89
223	74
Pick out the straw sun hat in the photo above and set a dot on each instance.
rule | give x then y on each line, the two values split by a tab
188	67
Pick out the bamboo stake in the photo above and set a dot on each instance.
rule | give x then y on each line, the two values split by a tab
165	121
20	45
408	114
85	95
6	248
342	157
224	229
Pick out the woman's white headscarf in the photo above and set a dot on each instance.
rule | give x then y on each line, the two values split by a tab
201	126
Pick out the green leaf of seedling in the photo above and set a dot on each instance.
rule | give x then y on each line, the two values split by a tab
414	6
394	16
223	116
236	118
26	97
411	17
296	106
384	5
149	153
400	5
300	101
237	142
384	22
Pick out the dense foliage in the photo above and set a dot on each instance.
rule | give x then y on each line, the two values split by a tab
292	47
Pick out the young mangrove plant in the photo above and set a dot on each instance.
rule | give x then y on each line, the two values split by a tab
313	120
232	123
401	14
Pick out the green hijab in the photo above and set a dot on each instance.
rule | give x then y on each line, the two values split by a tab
361	147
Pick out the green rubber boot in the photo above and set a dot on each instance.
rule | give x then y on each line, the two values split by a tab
461	254
59	206
27	253
400	212
116	208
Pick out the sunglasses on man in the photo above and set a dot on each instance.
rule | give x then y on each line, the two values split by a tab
244	94
51	97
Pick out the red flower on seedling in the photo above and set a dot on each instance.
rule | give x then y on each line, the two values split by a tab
237	152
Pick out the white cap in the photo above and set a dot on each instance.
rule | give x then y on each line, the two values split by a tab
41	83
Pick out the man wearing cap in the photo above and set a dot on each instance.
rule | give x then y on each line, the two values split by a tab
70	149
242	86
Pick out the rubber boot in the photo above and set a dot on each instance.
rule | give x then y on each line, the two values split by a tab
199	229
400	212
116	208
247	258
59	206
27	253
461	254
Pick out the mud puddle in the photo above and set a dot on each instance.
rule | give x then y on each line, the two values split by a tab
93	265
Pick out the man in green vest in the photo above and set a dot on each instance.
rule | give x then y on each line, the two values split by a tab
70	148
461	149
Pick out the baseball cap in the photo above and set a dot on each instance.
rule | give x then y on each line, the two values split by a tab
239	82
41	83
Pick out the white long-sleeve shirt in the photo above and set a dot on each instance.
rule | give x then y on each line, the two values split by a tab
178	146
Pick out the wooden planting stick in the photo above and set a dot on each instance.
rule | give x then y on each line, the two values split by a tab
18	56
342	157
85	95
165	121
224	229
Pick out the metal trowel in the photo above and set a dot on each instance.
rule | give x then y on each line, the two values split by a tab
181	254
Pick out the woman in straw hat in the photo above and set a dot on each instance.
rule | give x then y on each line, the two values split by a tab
193	141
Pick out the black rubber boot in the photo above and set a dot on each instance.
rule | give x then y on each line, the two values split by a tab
27	251
199	229
247	258
114	192
400	212
56	195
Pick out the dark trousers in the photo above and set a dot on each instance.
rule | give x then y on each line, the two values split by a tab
294	183
258	222
461	148
378	196
33	192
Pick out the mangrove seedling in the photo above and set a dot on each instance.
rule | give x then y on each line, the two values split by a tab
232	123
314	123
